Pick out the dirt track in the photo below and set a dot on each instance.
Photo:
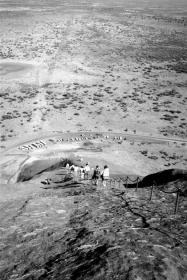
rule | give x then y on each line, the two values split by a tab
68	137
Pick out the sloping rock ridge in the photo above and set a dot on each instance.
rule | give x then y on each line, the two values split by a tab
75	230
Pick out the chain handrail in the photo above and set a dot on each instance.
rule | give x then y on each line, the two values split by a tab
125	181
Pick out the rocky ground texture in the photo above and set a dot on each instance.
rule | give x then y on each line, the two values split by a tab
75	230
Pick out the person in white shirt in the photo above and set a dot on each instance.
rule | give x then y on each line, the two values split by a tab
105	175
67	167
76	169
86	171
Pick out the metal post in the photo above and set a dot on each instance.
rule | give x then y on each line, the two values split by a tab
177	203
137	185
126	182
151	192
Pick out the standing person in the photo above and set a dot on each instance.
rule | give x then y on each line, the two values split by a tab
76	169
81	170
86	171
72	168
67	167
96	174
105	175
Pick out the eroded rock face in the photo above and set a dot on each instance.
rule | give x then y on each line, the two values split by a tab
164	177
161	178
84	232
30	170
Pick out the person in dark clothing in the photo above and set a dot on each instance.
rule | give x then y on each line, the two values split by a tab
96	175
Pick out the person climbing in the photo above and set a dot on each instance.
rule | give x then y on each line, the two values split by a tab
47	181
76	169
105	175
86	171
81	170
72	168
67	167
96	174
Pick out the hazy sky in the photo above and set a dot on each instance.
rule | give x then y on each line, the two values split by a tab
172	7
128	3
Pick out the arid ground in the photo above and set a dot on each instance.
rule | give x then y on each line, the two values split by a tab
99	81
84	66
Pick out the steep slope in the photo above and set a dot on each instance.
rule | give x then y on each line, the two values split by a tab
77	231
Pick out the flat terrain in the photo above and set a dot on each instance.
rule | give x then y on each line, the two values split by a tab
84	66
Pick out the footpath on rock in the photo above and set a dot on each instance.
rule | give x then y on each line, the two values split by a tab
75	230
134	228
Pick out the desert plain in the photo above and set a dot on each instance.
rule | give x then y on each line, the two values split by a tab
73	66
102	82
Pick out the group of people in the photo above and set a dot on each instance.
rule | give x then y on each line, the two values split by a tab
85	171
104	175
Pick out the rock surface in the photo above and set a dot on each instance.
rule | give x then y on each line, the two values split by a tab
163	178
77	231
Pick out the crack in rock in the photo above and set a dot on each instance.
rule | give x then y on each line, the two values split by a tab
21	209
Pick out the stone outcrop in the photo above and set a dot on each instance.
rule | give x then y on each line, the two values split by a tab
69	230
30	170
161	178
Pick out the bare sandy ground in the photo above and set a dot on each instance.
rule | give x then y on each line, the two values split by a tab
125	154
102	82
95	67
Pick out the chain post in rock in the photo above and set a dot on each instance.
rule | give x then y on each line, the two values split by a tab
151	192
137	185
126	182
121	182
176	203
